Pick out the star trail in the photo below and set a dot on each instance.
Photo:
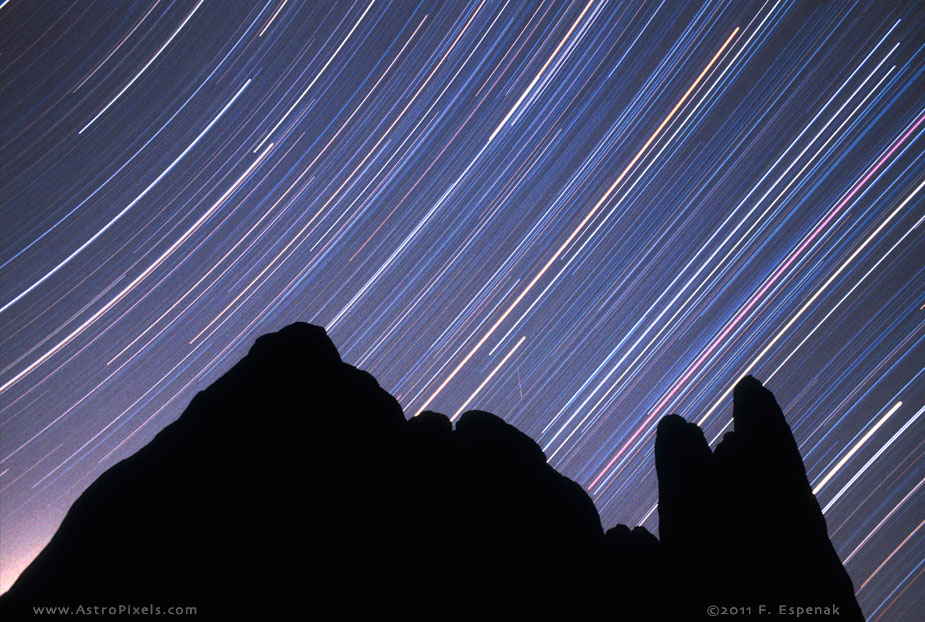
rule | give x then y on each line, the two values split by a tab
580	216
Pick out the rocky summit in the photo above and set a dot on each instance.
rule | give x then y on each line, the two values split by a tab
294	487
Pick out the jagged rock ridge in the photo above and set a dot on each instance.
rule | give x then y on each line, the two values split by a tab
294	486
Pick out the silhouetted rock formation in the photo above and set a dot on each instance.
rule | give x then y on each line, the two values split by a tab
293	487
741	526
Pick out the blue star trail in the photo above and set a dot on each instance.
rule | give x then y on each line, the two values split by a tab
581	216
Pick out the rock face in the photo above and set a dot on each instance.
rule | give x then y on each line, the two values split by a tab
740	526
294	487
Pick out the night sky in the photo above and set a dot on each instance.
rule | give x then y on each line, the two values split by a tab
579	216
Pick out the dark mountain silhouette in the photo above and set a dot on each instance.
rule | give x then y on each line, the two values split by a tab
293	487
